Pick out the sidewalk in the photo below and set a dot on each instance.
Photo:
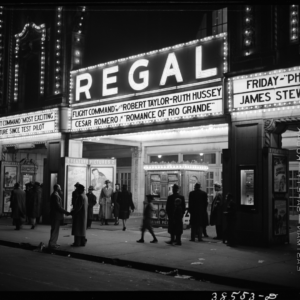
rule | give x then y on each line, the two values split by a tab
248	267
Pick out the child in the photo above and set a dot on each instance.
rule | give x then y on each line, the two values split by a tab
147	220
178	223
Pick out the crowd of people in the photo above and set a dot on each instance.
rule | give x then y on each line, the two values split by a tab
119	204
26	206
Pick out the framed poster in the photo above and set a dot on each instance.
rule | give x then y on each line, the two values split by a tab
6	201
53	180
155	185
280	218
98	176
279	165
247	187
26	178
193	179
74	174
10	176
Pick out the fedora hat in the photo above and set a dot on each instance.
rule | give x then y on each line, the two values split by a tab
91	188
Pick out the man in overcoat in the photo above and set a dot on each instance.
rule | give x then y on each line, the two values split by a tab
105	201
75	194
56	215
197	209
18	206
170	207
216	215
79	214
92	200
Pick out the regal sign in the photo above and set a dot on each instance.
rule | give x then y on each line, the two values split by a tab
190	63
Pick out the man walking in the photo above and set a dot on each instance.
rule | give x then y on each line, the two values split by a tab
56	215
170	208
105	201
216	211
17	204
197	209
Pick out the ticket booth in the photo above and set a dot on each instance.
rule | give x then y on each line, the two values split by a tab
160	179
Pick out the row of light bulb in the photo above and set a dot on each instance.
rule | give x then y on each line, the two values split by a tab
58	46
294	22
248	29
77	52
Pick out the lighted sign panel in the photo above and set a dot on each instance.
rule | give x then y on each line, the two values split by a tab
188	63
196	103
29	124
272	89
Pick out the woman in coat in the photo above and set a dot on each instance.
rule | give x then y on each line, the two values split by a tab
79	214
115	203
91	203
17	205
126	205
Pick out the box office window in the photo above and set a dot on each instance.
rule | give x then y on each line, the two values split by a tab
164	158
207	158
247	187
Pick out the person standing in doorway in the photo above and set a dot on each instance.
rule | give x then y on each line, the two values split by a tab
147	220
79	222
170	208
126	205
197	209
115	203
35	204
105	201
91	203
56	215
216	211
18	206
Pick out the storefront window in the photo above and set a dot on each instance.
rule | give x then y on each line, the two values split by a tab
207	158
247	187
293	193
210	186
164	158
219	21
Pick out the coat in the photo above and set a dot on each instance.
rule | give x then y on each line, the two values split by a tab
147	215
91	203
115	201
79	214
18	204
126	203
198	208
35	202
216	210
170	207
56	210
177	221
105	202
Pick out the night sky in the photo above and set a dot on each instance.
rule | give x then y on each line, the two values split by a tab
119	32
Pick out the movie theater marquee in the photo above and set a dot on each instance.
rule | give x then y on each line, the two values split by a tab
176	82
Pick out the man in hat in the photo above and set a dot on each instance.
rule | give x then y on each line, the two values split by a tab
216	211
115	203
75	193
79	218
56	215
28	192
105	201
170	208
91	203
197	209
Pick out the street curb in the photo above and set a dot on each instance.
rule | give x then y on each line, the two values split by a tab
243	283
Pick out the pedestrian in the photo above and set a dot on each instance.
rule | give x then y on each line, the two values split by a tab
126	205
56	215
105	202
177	221
35	204
217	211
79	221
18	206
147	215
28	191
91	203
197	209
75	193
230	216
115	203
170	208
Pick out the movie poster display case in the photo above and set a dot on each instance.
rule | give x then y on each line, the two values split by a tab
160	178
